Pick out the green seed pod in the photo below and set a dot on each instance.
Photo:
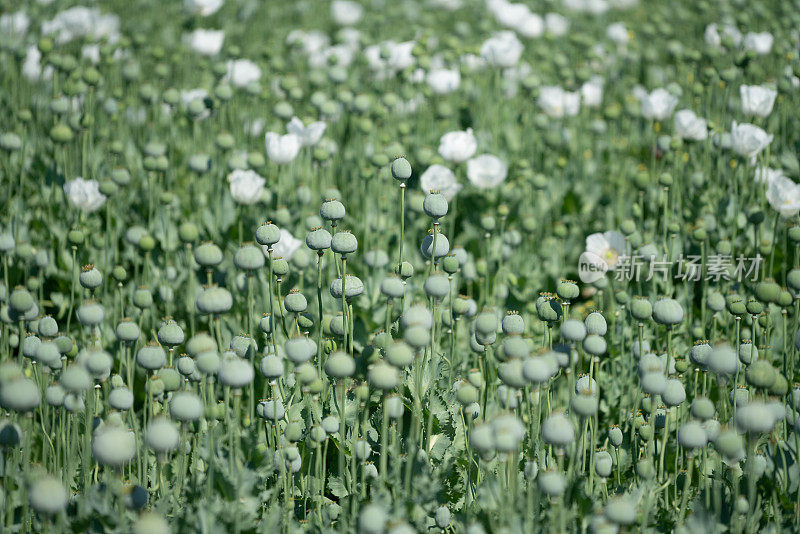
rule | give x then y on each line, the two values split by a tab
691	436
667	312
621	509
171	378
113	446
268	234
645	469
20	395
47	353
353	287
300	349
754	307
780	387
603	464
730	445
641	309
767	291
344	243
761	374
151	357
450	264
392	287
214	300
401	169
120	399
573	331
151	523
234	371
248	258
21	301
383	376
273	410
515	348
76	379
552	483
595	324
513	324
90	277
280	267
435	206
170	334
702	409
186	366
558	430
594	345
372	519
61	133
674	393
584	404
332	210
723	361
785	299
271	366
318	239
90	313
615	436
405	270
340	365
295	302
47	495
200	343
208	255
437	286
442	246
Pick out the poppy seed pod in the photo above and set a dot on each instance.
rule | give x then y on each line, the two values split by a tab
248	258
437	286
673	394
47	495
382	376
442	246
595	324
754	417
573	331
401	169
344	243
667	312
271	366
214	300
127	331
548	309
641	309
272	410
170	334
723	361
603	464
567	290
235	372
90	277
295	302
76	379
761	374
90	314
621	510
162	436
594	345
200	343
372	519
208	255
702	408
300	349
318	239
615	436
515	347
730	445
186	406
392	287
699	353
113	446
20	395
47	353
353	287
120	399
400	354
340	365
584	404
691	436
552	483
435	205
558	430
267	234
332	210
151	357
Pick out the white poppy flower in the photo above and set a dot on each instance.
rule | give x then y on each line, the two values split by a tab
204	8
438	177
486	171
618	33
748	140
557	25
557	103
458	146
503	49
608	246
282	149
243	72
286	246
760	43
346	12
757	100
246	186
308	135
784	196
205	42
84	194
690	126
767	175
592	92
658	105
443	81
